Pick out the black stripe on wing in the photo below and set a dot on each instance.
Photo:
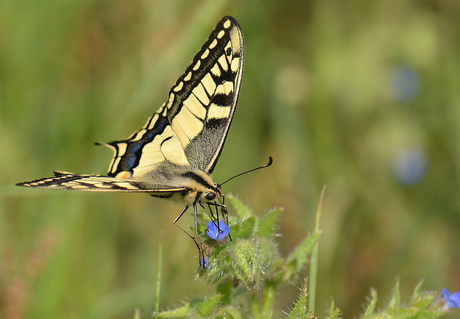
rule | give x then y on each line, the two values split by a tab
98	183
199	110
128	153
209	89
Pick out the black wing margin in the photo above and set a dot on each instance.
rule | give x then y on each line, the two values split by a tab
202	104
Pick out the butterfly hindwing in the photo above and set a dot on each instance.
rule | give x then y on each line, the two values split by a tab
98	183
191	127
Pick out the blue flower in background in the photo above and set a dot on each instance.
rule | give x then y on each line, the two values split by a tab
405	84
217	233
410	166
452	301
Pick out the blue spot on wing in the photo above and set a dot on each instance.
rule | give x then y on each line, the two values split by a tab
130	162
131	158
135	147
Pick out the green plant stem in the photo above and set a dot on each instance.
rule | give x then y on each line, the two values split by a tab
255	307
158	282
312	281
314	260
268	300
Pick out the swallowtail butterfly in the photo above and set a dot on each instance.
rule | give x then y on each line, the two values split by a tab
175	152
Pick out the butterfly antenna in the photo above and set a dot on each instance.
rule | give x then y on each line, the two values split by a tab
270	162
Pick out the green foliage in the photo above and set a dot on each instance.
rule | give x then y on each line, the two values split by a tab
252	256
197	308
422	305
250	265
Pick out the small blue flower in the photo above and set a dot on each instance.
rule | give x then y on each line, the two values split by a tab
452	301
204	263
217	233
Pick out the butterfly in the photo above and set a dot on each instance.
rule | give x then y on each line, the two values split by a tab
175	152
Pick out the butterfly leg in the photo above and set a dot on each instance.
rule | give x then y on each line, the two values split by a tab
216	218
195	218
180	215
224	211
210	212
201	254
203	259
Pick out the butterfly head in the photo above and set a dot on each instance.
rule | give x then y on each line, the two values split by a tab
204	194
199	186
211	195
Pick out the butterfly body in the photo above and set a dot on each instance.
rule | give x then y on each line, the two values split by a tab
174	154
180	183
196	185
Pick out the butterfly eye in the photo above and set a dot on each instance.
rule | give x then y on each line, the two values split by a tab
210	196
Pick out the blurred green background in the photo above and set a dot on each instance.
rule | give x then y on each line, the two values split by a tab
363	96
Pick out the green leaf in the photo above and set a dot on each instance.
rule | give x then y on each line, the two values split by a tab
417	296
369	312
229	312
298	258
206	307
333	311
225	289
194	308
300	307
417	290
241	210
245	255
423	301
245	229
251	259
395	300
267	224
181	312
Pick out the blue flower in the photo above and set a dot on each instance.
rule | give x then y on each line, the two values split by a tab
452	301
204	263
410	166
217	233
405	84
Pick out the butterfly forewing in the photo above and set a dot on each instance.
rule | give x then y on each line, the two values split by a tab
191	127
